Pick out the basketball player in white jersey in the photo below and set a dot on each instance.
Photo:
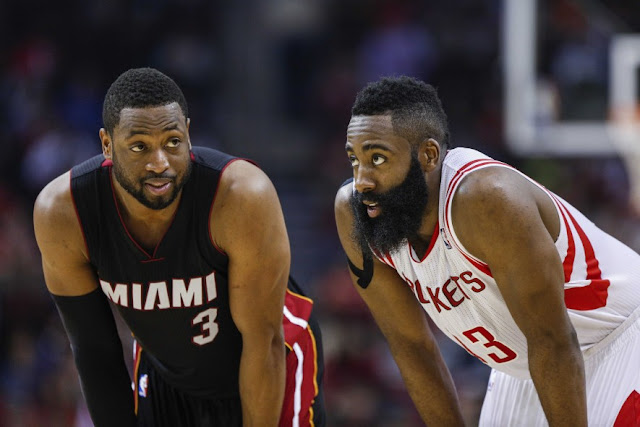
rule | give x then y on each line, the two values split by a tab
504	267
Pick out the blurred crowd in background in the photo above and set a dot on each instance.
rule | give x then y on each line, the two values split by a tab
274	81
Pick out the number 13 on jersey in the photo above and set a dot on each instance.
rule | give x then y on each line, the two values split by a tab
483	342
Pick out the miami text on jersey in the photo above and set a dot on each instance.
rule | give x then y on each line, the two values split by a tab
179	293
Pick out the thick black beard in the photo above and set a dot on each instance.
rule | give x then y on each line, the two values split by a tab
137	189
402	208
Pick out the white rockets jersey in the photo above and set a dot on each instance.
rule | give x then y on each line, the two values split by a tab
602	278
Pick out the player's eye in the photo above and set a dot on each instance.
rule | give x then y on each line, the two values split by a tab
378	159
173	143
137	148
353	160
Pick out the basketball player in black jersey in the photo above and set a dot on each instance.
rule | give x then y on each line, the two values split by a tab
189	245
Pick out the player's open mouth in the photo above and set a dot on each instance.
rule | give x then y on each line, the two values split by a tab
373	210
158	187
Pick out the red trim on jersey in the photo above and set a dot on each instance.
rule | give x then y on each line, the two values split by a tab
380	257
384	258
115	202
629	414
471	166
595	294
75	208
567	263
467	168
479	265
214	200
434	238
192	156
144	261
390	260
106	163
136	366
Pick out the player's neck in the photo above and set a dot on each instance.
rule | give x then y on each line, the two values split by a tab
422	239
146	226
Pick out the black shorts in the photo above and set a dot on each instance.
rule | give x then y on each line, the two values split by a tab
159	404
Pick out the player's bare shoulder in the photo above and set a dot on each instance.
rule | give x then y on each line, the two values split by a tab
54	215
246	199
488	192
242	180
342	205
486	182
345	223
59	236
493	205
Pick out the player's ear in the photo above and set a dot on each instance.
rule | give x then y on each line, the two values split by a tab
105	140
429	154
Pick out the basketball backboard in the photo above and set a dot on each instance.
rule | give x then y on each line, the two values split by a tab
571	79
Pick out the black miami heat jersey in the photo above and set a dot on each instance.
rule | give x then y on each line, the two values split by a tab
175	297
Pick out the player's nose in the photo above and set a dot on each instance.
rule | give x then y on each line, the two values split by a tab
363	180
158	161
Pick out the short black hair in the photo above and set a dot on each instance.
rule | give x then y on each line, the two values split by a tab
415	109
140	88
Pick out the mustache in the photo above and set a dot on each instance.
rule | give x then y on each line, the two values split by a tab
379	198
163	175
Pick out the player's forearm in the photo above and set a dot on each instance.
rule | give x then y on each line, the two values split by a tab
557	370
429	384
262	382
107	391
98	356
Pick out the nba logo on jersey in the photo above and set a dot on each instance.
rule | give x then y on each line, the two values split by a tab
142	385
444	238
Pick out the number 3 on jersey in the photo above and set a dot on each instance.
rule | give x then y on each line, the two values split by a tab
496	350
207	321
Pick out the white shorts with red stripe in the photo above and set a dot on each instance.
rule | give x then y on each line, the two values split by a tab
612	370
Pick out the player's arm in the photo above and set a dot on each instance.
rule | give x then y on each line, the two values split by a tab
504	220
249	228
404	324
85	313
